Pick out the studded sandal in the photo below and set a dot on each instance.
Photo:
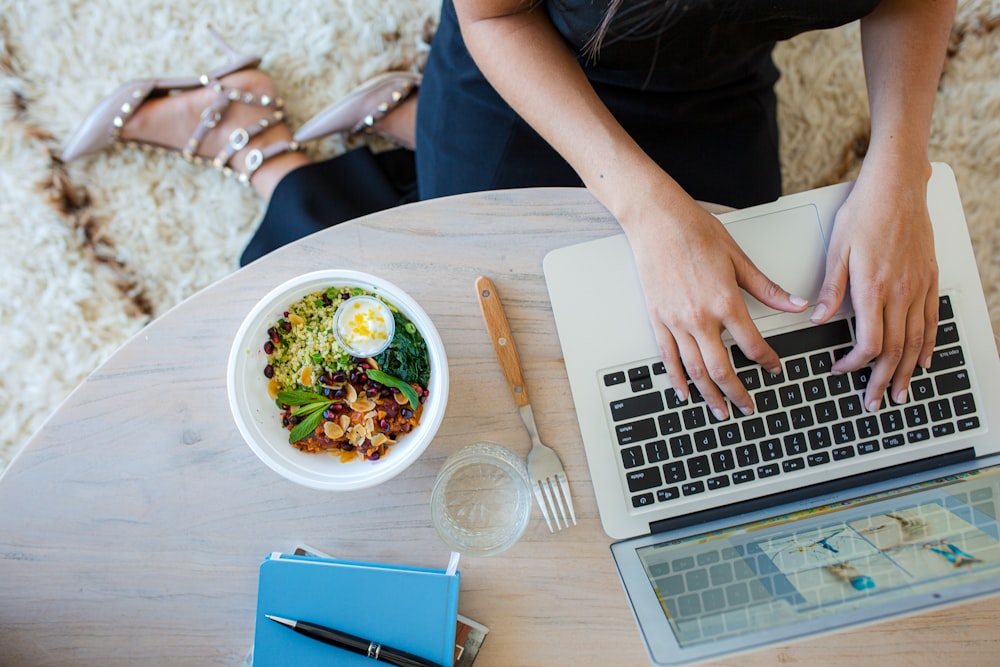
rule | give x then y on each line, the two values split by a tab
103	126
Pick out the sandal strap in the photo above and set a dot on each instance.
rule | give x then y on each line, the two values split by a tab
258	156
241	136
212	115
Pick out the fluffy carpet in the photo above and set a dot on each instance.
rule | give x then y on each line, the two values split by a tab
92	251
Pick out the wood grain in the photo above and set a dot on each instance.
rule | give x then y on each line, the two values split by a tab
133	523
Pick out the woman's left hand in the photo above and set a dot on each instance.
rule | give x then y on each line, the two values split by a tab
882	249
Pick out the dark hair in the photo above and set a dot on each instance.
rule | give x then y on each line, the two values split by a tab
640	19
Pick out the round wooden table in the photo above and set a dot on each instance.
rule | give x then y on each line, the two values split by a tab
133	523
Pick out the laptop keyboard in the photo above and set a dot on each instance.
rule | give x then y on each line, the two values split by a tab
805	417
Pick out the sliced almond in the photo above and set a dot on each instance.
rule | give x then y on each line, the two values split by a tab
363	405
332	430
306	376
296	320
351	393
272	388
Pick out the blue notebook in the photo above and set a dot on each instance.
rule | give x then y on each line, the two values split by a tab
409	608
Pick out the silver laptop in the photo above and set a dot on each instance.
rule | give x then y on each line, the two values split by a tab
662	469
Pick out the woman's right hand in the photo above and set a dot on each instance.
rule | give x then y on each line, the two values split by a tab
692	270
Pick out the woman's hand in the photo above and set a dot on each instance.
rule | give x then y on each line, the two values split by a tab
882	250
692	271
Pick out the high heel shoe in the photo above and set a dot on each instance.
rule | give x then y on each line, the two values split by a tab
362	107
103	126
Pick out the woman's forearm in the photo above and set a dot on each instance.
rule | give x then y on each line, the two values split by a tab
519	51
904	44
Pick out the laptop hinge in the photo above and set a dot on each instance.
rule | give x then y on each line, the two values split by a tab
812	491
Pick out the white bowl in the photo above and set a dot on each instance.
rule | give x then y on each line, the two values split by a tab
258	417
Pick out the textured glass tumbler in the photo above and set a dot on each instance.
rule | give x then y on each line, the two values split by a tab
481	500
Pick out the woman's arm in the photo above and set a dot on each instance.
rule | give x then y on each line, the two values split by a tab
690	267
882	248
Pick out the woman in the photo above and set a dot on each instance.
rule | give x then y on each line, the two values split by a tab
651	106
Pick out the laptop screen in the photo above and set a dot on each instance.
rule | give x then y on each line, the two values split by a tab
845	558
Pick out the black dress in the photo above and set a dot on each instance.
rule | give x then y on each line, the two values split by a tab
694	87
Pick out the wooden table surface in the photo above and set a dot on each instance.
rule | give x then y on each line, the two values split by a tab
133	523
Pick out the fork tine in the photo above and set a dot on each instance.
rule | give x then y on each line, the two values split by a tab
564	487
541	504
547	488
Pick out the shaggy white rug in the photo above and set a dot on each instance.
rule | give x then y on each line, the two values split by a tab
94	250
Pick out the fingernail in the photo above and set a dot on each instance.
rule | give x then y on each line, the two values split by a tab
900	397
681	396
720	414
818	312
872	406
746	411
926	362
798	300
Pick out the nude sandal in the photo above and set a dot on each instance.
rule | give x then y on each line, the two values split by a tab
103	126
362	107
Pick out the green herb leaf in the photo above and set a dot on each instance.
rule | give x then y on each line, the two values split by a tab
390	381
305	427
310	408
299	397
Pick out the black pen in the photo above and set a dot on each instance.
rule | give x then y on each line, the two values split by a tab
365	647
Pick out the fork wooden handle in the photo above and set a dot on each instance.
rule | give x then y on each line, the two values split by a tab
503	340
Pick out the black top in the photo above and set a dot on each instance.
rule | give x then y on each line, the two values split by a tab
692	45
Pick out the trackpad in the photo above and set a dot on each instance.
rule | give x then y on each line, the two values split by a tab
788	247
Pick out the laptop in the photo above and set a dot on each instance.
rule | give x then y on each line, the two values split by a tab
673	483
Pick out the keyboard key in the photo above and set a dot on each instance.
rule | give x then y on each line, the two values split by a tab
968	423
778	423
790	395
681	446
694	418
919	435
714	483
670	423
659	368
826	412
691	488
802	418
949	357
753	429
796	369
766	401
632	457
642	500
850	406
705	440
750	379
698	466
941	430
949	383
922	389
674	472
641	480
821	363
890	441
803	341
838	384
769	470
868	447
819	438
814	389
670	493
939	410
645	384
636	406
947	334
770	450
891	421
915	415
638	373
611	379
818	459
861	378
795	444
743	476
791	465
945	311
770	379
963	404
657	451
729	435
723	461
843	433
746	455
867	426
644	429
842	453
672	401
